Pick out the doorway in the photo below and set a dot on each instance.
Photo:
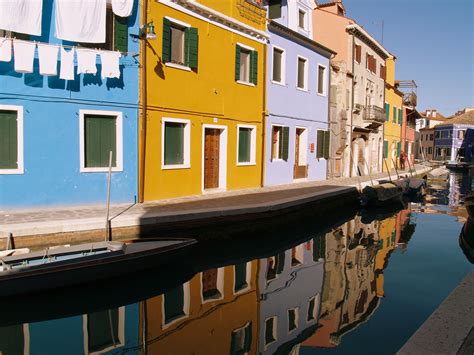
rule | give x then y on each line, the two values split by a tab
214	157
300	170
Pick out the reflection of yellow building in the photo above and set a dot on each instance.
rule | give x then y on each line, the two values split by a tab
387	242
393	112
205	97
216	312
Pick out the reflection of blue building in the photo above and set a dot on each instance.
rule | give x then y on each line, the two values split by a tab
290	284
104	332
57	134
454	139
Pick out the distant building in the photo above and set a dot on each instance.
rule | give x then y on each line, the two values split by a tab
426	143
454	139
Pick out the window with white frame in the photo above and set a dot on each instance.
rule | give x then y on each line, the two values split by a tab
247	139
313	308
270	330
302	73
321	80
211	284
292	319
244	65
241	340
175	303
11	139
104	330
100	134
280	142
278	74
302	19
241	276
175	143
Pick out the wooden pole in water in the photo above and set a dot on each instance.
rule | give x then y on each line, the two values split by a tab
107	224
388	170
9	241
396	170
368	172
409	167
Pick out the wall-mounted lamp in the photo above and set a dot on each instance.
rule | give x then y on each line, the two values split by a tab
147	31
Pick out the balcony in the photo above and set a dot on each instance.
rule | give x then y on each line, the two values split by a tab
374	113
410	99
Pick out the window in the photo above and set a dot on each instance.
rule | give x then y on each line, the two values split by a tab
394	114
116	33
292	319
371	63
211	284
274	9
101	133
246	65
278	75
11	139
438	134
385	149
270	330
241	340
312	308
174	304
387	111
322	144
240	280
280	141
383	72
275	266
180	44
321	79
431	137
302	73
430	150
297	255
247	138
302	19
450	133
104	330
175	143
358	53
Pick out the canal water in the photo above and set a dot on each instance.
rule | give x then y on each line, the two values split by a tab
356	283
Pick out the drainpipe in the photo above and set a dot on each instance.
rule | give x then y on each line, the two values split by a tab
264	113
352	110
143	116
330	165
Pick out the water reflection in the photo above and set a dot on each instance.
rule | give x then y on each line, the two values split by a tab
306	293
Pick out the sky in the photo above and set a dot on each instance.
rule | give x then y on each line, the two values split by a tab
433	41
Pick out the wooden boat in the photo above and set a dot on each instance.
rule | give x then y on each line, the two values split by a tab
381	195
466	240
412	187
469	204
66	266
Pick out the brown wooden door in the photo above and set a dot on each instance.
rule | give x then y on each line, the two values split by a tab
211	158
299	171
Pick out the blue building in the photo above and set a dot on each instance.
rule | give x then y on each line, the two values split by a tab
56	134
454	139
297	127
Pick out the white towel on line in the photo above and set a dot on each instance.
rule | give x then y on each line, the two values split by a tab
23	16
24	52
122	8
66	71
110	64
81	21
48	59
86	61
5	49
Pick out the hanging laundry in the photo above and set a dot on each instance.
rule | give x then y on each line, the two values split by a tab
24	52
23	16
122	8
86	61
5	49
48	59
81	21
110	64
66	71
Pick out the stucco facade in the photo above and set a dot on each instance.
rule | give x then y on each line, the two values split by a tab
300	107
50	168
427	143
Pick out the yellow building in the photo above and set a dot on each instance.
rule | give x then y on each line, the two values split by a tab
393	112
203	92
216	312
386	243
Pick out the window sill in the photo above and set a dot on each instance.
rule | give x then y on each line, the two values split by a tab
245	83
278	83
278	160
247	164
303	90
323	95
176	167
100	170
178	66
19	171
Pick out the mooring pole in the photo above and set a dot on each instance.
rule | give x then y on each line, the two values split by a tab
388	170
9	241
107	224
396	170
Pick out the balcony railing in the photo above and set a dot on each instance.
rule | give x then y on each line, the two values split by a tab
410	99
374	113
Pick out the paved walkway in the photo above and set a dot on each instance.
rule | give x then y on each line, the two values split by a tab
82	218
450	329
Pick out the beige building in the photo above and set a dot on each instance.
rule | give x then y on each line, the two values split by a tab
358	74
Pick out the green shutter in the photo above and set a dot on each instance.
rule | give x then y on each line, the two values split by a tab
387	112
100	137
385	149
8	140
326	145
174	143
102	328
240	276
237	62
400	116
280	263
244	145
285	143
191	49
121	34
394	115
254	67
320	144
166	55
174	303
399	149
248	338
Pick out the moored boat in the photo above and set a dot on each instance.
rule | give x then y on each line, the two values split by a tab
381	195
66	266
469	204
466	240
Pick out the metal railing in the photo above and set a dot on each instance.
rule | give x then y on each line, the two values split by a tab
374	113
